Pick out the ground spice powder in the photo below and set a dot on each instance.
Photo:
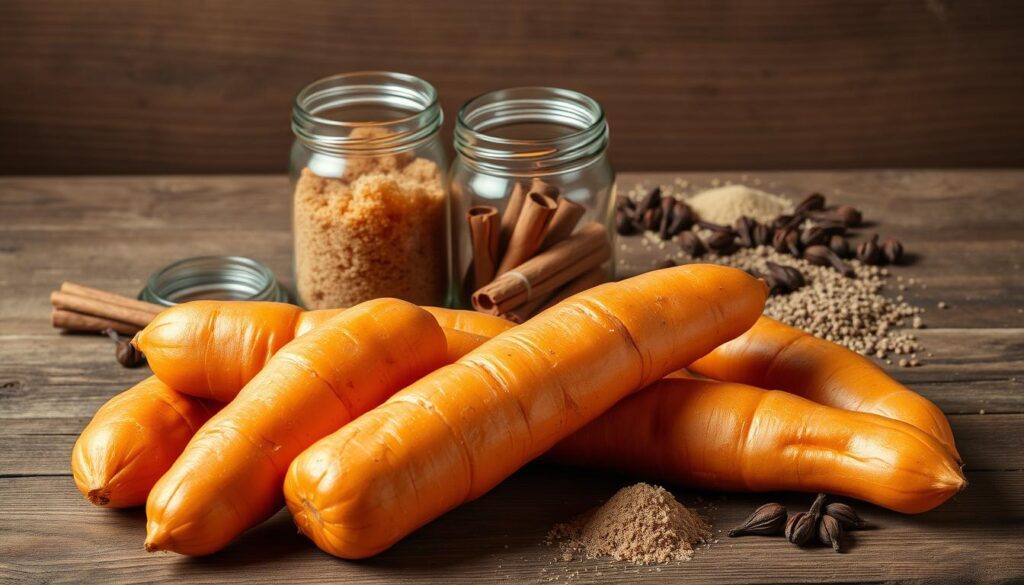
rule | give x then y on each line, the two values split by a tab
641	524
376	231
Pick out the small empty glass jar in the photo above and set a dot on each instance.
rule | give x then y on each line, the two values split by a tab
370	196
514	137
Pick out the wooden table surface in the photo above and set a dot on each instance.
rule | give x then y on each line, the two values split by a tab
966	227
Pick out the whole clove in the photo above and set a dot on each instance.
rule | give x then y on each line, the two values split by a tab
650	201
800	528
839	245
792	243
813	236
624	202
830	532
652	219
812	202
845	514
683	218
803	526
624	224
892	250
845	214
715	227
744	228
692	244
783	222
832	227
768	520
667	207
779	241
125	351
762	235
824	256
869	252
722	243
783	279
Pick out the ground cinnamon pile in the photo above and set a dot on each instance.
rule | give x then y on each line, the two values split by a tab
640	524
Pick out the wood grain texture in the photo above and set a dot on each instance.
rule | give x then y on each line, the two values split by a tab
111	232
121	87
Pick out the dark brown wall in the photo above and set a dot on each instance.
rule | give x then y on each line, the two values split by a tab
135	86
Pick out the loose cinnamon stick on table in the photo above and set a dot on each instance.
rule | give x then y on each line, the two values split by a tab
98	308
545	272
564	220
109	297
529	231
484	232
64	319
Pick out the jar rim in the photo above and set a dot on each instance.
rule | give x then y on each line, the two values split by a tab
223	277
535	104
397	91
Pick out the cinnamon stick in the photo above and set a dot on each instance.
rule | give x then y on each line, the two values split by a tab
511	215
74	321
545	272
98	308
109	297
564	220
529	231
539	186
484	232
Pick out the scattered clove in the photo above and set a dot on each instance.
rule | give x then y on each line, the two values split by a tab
692	244
812	202
624	202
845	514
813	236
683	218
779	241
652	219
844	214
802	526
824	256
650	201
667	207
762	235
722	243
624	224
125	351
744	228
830	532
839	245
783	279
892	250
767	520
869	252
783	222
792	242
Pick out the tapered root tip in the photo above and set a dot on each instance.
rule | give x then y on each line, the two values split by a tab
99	496
156	542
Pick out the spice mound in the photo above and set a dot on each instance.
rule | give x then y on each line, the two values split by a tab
724	205
641	524
375	231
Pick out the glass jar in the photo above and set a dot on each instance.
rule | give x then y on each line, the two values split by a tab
370	197
511	139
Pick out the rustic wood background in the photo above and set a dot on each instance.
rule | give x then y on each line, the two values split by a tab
129	87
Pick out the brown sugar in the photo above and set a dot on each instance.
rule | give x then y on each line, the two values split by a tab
641	524
376	231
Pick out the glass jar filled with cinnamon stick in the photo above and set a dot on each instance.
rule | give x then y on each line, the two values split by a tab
532	192
370	197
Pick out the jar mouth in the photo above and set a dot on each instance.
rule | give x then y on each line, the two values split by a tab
213	277
366	112
568	128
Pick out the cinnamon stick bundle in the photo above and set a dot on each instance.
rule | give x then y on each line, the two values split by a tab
529	230
566	216
484	232
581	283
81	308
72	321
545	272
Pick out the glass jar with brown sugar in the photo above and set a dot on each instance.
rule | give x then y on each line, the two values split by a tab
370	195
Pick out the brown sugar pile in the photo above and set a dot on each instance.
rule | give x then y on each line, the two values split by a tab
378	230
640	524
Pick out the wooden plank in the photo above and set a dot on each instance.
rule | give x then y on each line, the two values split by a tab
498	539
743	83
